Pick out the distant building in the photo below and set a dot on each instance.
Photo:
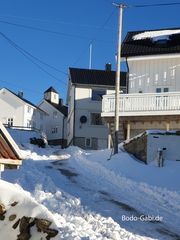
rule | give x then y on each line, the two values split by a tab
56	120
85	127
18	112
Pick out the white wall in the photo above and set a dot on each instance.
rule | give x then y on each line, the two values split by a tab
170	142
146	74
52	121
85	106
11	108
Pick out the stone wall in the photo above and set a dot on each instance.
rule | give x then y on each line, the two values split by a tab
137	147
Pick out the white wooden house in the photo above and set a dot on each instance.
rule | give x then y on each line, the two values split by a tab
153	98
55	122
86	87
18	112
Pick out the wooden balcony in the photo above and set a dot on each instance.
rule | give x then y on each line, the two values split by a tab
142	104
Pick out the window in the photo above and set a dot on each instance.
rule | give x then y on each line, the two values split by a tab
29	123
96	119
158	90
41	115
10	121
54	130
88	142
29	109
166	89
97	94
55	114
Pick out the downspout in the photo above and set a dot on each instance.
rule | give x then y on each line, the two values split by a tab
127	76
74	117
62	145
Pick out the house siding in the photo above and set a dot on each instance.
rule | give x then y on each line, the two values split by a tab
148	74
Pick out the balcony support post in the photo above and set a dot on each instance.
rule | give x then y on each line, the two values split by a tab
128	131
167	126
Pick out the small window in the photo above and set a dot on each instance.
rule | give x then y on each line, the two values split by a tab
97	94
88	142
158	90
96	119
166	89
54	130
29	123
55	114
10	122
29	109
41	115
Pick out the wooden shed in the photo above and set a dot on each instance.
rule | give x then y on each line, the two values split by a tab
10	155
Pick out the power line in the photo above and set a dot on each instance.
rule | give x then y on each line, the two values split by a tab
100	28
152	5
13	44
44	30
52	21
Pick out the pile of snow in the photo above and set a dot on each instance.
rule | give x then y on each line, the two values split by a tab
88	195
19	203
155	34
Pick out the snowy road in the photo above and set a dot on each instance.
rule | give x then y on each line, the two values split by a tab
88	200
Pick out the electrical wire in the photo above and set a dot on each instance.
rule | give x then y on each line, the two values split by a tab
155	5
94	39
13	44
44	30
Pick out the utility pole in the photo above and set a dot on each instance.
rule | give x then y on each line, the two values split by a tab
118	69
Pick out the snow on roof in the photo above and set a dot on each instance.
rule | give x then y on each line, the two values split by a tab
155	34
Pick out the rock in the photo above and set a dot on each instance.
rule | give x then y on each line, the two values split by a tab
51	233
42	224
14	204
24	236
12	217
2	209
16	224
24	223
2	217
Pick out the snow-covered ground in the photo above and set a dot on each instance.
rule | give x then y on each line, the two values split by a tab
91	197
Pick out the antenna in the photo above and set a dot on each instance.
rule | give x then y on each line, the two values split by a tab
90	56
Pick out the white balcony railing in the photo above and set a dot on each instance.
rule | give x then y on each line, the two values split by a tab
143	104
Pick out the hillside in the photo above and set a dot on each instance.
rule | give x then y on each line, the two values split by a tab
90	197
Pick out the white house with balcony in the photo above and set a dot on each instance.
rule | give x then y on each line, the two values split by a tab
85	127
153	98
56	120
16	111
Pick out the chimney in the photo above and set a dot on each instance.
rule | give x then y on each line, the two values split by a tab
20	94
108	67
60	101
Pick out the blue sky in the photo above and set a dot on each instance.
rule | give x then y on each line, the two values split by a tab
77	23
